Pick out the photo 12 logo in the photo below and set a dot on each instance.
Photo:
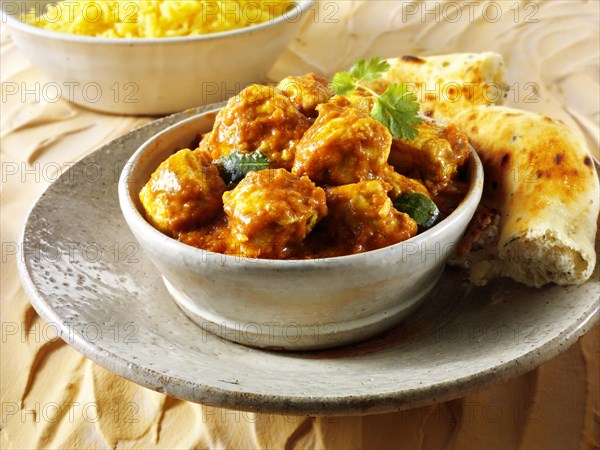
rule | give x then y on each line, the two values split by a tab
469	11
40	332
71	11
269	333
131	12
52	92
70	412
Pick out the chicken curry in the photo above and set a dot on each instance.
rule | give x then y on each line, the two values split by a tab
326	183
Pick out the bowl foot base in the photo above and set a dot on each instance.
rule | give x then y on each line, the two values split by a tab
291	336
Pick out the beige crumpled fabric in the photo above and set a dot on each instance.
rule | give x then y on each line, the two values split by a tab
53	397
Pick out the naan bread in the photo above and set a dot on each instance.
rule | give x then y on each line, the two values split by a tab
445	85
541	200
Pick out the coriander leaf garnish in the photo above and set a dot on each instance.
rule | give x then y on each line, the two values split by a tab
396	108
370	70
343	83
418	206
235	166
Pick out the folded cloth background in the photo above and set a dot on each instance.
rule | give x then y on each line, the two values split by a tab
53	397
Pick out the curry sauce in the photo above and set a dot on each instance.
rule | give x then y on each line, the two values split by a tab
333	173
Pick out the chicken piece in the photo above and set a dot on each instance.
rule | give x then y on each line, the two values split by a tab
358	99
306	92
436	154
401	184
271	210
183	193
361	217
258	118
343	146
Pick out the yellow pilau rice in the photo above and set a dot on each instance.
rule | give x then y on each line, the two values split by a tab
155	18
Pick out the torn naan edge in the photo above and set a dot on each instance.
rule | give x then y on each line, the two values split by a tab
445	85
538	217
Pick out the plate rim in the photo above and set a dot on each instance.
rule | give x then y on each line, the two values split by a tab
349	405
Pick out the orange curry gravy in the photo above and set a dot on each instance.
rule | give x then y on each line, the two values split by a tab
333	172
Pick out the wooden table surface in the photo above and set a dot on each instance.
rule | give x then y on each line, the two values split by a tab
53	397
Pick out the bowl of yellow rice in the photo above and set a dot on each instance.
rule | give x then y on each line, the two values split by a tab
152	57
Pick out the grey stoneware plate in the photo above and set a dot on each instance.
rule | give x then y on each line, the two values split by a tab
86	275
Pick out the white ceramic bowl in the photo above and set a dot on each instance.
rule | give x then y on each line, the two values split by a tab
151	76
293	305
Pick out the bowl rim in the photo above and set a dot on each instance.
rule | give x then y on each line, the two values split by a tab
172	246
299	9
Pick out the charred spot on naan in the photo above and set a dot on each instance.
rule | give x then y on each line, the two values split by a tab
556	164
559	157
413	59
